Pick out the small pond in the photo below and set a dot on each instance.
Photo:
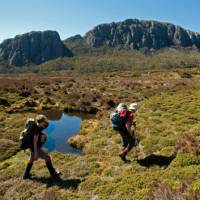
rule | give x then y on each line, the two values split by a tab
61	127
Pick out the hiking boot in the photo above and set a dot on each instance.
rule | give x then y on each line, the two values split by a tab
26	176
55	174
56	177
27	171
123	157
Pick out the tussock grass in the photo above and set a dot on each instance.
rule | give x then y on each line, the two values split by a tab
168	117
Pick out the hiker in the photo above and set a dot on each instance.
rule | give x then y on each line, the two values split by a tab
37	138
122	120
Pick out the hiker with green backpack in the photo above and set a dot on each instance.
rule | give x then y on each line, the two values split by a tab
33	137
122	120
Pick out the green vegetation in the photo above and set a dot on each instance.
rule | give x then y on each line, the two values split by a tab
104	59
166	161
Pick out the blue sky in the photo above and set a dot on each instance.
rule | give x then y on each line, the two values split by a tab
70	17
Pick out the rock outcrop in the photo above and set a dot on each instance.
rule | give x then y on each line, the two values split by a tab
136	34
33	48
74	38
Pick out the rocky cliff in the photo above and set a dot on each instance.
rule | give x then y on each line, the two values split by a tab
136	34
33	48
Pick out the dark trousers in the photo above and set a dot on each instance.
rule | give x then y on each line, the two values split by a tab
127	139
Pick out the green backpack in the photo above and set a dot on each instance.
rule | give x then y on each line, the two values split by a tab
115	117
25	135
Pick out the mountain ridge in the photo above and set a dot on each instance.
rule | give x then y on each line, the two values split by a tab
130	34
33	47
137	34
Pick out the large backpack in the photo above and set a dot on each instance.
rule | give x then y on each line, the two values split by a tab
26	134
115	117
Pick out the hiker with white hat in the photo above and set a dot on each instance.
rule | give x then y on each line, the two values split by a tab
122	120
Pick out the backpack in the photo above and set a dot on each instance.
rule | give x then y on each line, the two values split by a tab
121	106
25	135
115	117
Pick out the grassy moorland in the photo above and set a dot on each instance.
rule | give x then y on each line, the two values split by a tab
164	166
105	59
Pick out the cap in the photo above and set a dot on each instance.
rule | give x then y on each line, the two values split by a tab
133	106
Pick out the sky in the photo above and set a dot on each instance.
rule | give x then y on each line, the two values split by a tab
71	17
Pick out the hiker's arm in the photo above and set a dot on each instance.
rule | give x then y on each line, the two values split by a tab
128	126
35	142
130	123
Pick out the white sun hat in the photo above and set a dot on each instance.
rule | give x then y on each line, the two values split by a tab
133	106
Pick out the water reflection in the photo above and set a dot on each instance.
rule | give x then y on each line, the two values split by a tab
61	127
